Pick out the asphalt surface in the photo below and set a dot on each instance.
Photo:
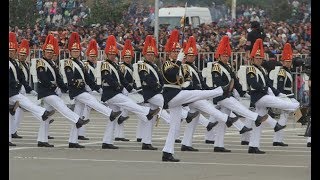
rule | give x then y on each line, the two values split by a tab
29	162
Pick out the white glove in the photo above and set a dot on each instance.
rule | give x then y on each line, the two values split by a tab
270	92
34	93
87	88
246	95
282	95
180	56
100	90
125	92
58	92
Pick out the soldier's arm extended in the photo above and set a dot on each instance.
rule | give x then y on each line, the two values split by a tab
125	83
61	84
91	81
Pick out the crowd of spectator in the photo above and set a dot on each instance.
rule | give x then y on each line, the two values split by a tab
63	17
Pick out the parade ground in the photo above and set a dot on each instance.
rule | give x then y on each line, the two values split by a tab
129	162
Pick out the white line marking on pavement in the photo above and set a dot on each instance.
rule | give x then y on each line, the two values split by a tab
160	162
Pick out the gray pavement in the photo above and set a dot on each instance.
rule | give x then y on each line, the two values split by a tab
28	162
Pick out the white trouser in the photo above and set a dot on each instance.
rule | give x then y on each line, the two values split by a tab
256	131
18	114
10	126
86	115
44	126
246	136
175	109
210	135
119	128
234	105
139	129
81	101
190	129
108	136
209	108
28	105
220	129
279	135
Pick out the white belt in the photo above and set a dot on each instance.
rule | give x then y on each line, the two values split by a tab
172	86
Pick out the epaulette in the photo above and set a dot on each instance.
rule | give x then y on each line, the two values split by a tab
167	65
68	63
216	68
142	67
282	72
251	69
86	65
40	63
122	68
105	66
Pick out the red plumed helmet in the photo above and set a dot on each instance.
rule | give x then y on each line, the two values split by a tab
24	47
92	49
55	46
173	42
111	45
13	44
223	48
257	49
74	42
127	49
150	46
191	47
287	52
49	43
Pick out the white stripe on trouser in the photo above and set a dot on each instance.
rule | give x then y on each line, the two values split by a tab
190	129
246	136
44	127
120	100
207	107
10	121
78	109
108	136
210	135
86	115
221	130
119	128
237	107
28	105
256	131
279	135
175	117
16	120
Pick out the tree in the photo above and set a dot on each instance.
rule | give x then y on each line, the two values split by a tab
107	11
22	12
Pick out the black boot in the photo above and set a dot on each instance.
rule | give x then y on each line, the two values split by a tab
188	148
211	125
148	147
139	139
46	114
279	144
50	137
209	142
51	121
167	157
121	139
260	119
15	135
82	122
245	129
13	108
114	115
231	120
121	119
152	113
191	116
221	149
75	145
82	138
11	144
109	146
44	144
177	141
309	144
244	143
278	127
255	150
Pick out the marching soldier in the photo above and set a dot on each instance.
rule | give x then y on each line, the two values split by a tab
77	79
259	84
50	85
89	66
175	97
284	84
194	81
17	80
113	84
23	53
